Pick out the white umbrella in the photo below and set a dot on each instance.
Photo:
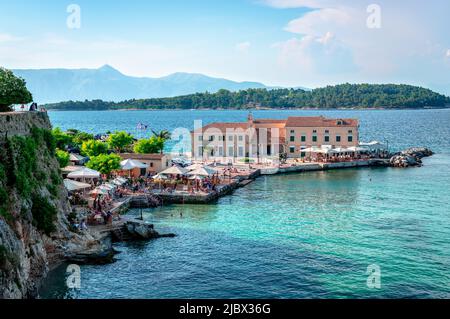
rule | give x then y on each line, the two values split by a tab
70	169
130	164
358	149
74	185
159	176
84	173
341	150
195	177
203	171
174	170
314	150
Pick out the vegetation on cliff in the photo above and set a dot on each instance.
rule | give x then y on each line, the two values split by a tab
23	162
13	90
339	96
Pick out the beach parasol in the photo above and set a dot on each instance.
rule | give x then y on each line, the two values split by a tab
84	173
74	185
174	170
130	164
203	171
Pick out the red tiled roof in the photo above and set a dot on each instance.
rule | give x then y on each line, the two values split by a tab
319	121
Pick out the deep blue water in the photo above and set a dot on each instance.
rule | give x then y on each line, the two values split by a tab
304	235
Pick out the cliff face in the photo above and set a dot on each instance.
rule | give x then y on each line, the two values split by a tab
33	204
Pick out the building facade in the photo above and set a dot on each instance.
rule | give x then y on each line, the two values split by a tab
156	163
268	138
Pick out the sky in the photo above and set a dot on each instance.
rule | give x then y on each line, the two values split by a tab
309	43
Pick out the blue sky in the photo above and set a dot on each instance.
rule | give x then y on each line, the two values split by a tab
278	42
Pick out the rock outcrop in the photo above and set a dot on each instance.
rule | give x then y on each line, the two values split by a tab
143	231
34	233
410	157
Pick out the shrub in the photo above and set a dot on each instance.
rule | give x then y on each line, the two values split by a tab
63	158
105	164
44	214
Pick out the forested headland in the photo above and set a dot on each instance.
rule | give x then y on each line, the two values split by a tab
344	96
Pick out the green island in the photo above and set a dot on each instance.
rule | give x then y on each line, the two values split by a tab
344	96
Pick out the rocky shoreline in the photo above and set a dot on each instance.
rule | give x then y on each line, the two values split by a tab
410	157
100	251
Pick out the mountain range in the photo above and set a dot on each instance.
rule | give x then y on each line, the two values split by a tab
108	84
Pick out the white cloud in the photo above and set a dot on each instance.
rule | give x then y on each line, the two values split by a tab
448	53
407	48
5	37
243	47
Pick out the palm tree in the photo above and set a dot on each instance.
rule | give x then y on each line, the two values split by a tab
163	136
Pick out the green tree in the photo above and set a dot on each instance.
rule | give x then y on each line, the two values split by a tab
13	90
94	148
80	137
120	141
149	146
61	138
104	163
63	158
161	138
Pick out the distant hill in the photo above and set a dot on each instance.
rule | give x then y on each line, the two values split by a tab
340	96
108	84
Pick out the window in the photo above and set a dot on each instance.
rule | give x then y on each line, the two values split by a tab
241	138
292	149
350	132
241	151
200	138
314	131
302	154
327	139
292	138
339	122
230	151
350	138
292	132
211	138
303	138
200	150
230	138
327	131
314	138
338	138
220	151
151	164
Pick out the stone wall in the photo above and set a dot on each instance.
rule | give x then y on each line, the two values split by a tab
20	123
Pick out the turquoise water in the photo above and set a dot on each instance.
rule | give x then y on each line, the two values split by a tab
309	235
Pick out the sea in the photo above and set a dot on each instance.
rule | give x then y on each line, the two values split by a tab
354	233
